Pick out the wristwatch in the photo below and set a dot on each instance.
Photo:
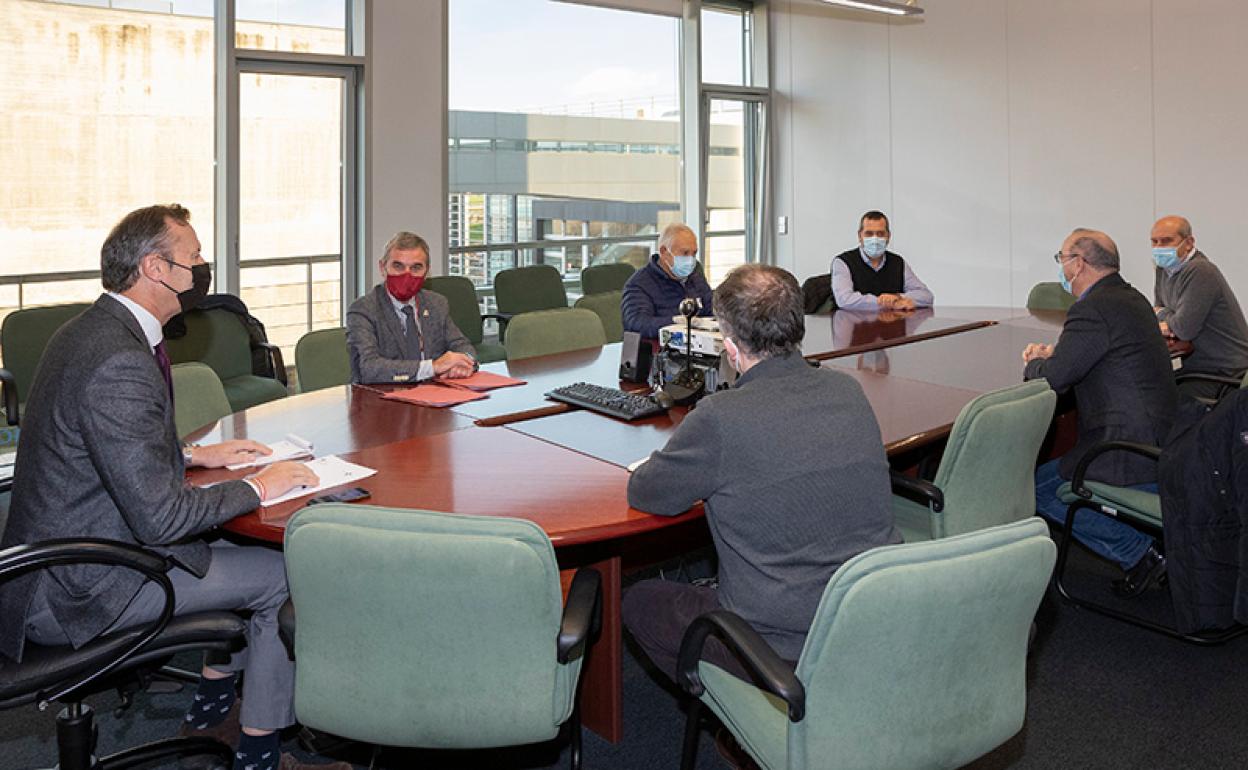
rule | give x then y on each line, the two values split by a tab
188	450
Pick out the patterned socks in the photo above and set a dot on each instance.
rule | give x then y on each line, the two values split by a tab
258	752
212	702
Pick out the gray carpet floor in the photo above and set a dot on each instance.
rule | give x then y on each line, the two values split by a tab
1101	694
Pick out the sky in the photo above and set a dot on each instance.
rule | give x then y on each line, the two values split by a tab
544	56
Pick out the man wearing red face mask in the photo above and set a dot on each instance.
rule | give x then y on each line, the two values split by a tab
400	333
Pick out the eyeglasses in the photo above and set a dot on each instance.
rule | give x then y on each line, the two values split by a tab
1059	257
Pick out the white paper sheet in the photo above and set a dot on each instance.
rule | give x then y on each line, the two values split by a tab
282	450
332	471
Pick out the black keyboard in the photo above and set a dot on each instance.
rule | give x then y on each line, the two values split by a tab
608	401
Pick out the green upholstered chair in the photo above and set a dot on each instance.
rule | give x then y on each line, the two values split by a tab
612	276
466	313
1133	507
526	289
544	332
23	335
607	305
322	360
1049	295
987	473
219	339
434	630
916	659
198	397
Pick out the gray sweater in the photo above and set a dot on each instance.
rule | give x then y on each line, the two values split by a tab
793	472
1199	306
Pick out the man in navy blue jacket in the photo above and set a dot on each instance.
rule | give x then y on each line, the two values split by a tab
653	295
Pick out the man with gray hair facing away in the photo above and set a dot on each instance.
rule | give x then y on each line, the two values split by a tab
786	507
653	294
1113	357
1194	303
402	332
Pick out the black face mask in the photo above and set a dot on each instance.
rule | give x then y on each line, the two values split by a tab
201	279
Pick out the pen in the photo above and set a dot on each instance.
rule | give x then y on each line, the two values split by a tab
302	443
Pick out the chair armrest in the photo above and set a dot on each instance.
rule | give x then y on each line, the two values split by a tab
582	614
917	489
9	385
275	357
22	559
772	670
286	627
503	319
1227	383
1081	470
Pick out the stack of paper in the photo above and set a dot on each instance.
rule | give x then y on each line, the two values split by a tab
282	450
482	381
332	471
434	395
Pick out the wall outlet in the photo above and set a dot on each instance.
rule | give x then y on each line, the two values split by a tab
782	225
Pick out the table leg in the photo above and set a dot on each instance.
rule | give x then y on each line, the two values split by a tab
602	688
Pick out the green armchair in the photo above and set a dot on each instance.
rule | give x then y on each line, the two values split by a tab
1049	295
987	474
915	659
612	276
322	359
198	397
545	332
607	306
421	629
466	313
218	338
23	335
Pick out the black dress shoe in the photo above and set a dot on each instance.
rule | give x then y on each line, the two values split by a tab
1150	569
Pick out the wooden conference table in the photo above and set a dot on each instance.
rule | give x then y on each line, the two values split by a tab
516	454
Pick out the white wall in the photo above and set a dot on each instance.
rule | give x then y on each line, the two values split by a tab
990	128
405	125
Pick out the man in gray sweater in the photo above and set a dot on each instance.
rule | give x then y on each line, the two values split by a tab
1194	303
792	470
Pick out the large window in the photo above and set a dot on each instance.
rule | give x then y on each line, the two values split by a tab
564	136
109	105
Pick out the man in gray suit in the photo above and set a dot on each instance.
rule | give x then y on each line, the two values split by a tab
400	332
792	470
100	458
1113	356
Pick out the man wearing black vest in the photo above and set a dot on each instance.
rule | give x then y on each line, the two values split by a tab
870	277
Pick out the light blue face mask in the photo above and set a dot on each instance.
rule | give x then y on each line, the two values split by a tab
1166	258
1061	272
682	266
874	247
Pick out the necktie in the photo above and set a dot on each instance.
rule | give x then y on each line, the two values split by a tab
412	333
162	360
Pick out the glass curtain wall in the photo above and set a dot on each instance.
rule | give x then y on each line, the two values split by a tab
563	136
108	105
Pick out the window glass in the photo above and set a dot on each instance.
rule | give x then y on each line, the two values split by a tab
104	110
724	39
296	26
552	159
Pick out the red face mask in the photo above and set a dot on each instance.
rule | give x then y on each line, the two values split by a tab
404	286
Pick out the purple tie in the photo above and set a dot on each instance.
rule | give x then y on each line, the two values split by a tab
162	360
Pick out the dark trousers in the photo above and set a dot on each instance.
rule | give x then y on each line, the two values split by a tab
657	613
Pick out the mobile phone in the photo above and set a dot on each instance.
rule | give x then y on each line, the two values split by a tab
341	496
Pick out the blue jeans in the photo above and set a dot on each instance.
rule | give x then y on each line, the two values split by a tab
1106	537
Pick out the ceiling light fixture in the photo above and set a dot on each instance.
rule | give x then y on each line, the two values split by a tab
880	6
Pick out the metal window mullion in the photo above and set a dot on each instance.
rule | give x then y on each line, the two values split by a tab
225	150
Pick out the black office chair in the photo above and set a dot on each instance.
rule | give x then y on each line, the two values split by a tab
124	660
